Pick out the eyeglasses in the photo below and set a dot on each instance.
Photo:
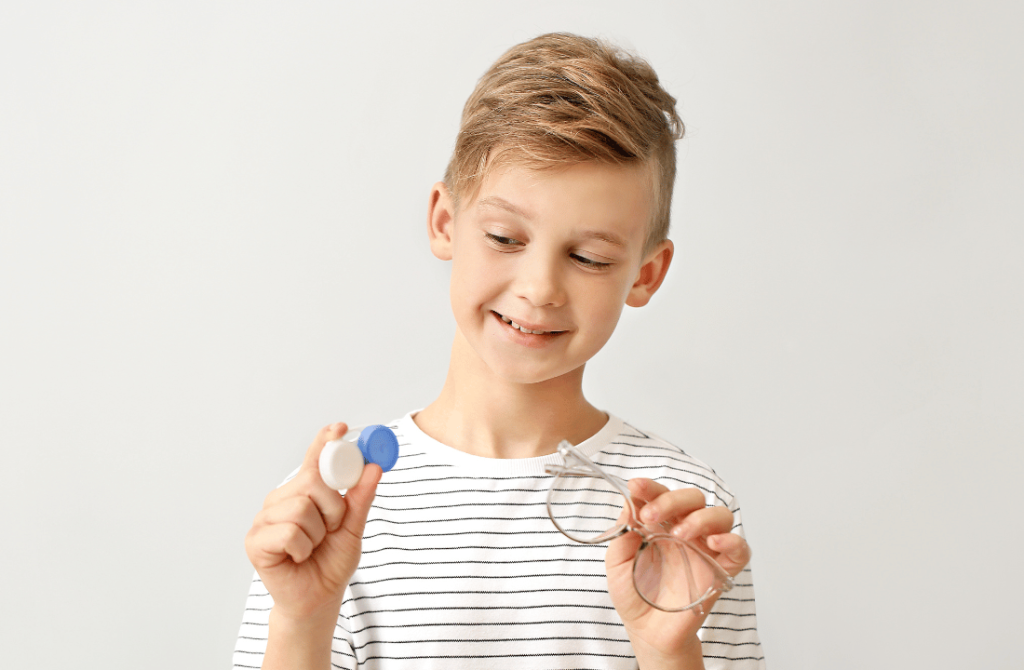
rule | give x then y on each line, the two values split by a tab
584	503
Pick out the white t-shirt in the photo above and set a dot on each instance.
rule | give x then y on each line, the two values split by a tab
463	569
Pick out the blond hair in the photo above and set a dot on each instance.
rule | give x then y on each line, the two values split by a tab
560	99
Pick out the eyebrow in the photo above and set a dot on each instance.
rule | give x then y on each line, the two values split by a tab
501	203
604	237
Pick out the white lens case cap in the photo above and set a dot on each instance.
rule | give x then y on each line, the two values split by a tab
341	464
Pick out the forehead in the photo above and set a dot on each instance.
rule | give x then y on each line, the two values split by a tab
614	201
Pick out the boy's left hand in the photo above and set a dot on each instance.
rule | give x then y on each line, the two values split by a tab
669	639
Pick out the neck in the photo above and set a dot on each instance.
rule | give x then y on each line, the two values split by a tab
482	414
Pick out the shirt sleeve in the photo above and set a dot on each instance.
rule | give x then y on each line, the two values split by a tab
252	635
729	635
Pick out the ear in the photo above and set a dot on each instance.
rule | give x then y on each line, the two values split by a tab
440	221
651	274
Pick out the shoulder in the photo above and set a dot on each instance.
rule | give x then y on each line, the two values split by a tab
634	452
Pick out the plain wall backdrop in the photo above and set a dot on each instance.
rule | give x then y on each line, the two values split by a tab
212	243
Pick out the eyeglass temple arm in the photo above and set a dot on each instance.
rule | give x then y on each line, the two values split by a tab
586	467
585	471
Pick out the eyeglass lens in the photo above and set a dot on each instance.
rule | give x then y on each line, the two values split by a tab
584	508
666	571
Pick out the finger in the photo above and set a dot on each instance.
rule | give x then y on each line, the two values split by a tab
271	545
331	503
309	484
359	498
335	431
704	522
622	550
733	552
641	491
671	506
299	510
645	490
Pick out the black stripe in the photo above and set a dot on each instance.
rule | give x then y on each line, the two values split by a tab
468	532
484	608
476	593
632	427
470	478
444	466
474	656
464	547
463	519
598	575
553	622
465	504
420	494
487	641
363	568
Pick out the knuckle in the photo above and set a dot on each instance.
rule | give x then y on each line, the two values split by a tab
305	507
308	479
292	532
250	540
271	498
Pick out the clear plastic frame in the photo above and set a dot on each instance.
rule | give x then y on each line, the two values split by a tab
584	503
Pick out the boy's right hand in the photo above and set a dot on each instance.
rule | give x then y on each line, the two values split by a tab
306	542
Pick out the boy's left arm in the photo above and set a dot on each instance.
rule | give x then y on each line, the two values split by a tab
664	640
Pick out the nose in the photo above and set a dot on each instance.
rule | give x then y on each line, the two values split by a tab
539	281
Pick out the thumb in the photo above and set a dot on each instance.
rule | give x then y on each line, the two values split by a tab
359	499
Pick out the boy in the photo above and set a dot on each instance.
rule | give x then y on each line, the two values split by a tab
554	213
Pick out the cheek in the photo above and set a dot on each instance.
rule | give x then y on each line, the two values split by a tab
473	280
611	308
609	317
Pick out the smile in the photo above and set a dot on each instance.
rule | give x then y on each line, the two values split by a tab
523	329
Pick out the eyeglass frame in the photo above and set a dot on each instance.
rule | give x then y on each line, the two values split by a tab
575	462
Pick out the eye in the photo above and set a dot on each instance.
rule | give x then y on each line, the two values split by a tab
503	242
589	262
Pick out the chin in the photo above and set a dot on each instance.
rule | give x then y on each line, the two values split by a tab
529	374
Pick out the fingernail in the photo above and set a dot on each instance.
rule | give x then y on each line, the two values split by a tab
648	514
682	531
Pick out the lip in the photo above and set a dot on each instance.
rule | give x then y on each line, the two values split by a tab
527	339
528	326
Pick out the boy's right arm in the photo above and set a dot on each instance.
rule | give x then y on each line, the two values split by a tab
305	544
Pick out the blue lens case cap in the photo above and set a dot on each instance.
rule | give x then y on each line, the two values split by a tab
379	445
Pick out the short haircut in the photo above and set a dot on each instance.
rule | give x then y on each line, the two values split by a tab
561	99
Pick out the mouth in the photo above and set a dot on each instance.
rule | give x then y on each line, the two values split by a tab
527	329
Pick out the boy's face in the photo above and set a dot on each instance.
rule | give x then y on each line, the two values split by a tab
542	263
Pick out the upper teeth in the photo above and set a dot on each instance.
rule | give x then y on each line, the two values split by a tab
517	326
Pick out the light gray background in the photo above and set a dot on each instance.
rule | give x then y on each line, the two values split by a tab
212	243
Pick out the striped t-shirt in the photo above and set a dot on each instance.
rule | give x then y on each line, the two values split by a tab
463	569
